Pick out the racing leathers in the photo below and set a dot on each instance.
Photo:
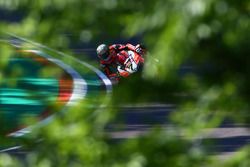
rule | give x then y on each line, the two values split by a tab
118	55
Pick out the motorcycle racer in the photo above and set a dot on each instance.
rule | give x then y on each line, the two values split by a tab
114	56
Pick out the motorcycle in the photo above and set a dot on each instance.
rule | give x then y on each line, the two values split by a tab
132	64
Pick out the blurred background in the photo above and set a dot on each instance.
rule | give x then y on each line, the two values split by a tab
198	61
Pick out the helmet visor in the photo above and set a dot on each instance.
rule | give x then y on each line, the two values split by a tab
106	56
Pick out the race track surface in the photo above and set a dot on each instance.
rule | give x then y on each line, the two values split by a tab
227	138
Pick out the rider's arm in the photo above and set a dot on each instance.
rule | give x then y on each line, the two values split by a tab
130	46
119	47
107	72
105	69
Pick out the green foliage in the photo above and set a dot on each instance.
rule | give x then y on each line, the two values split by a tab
212	36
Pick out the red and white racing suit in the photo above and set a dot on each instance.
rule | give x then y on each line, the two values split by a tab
119	54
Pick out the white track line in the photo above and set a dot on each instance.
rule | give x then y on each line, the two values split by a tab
10	149
79	84
104	78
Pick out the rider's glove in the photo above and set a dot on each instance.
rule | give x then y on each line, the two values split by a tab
139	50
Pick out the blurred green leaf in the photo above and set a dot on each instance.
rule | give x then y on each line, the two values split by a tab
210	36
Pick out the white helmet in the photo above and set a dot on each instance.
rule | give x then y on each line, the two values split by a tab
103	52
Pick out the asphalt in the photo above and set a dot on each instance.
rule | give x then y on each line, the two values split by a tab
226	139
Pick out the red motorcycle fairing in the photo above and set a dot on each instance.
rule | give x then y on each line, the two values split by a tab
131	64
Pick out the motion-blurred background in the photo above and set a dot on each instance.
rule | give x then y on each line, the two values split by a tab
198	60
